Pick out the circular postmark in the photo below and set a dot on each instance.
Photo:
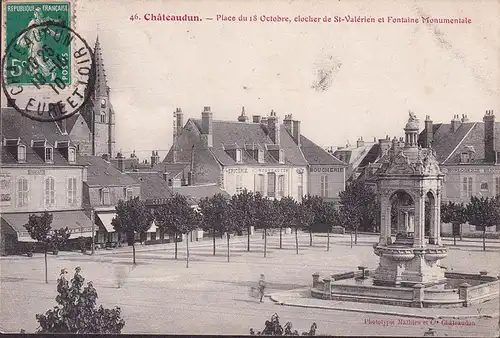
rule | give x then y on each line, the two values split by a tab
47	72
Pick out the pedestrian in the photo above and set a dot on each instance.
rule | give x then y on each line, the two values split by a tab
262	286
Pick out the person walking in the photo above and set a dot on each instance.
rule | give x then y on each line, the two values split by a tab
262	286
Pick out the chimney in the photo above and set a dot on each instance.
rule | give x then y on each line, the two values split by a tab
121	162
263	120
428	134
489	137
385	145
155	158
273	127
465	118
190	178
296	132
288	122
105	157
455	123
243	117
256	118
206	127
360	142
178	125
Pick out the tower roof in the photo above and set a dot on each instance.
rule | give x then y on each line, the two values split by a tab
101	86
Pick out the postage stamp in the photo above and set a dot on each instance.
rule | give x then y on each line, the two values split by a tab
47	66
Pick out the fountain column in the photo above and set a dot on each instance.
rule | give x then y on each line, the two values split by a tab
419	240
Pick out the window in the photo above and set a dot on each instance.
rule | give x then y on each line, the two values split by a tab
72	201
238	155
103	117
497	186
259	183
71	154
300	187
282	156
324	186
281	185
467	187
21	153
465	158
127	192
271	184
50	193
260	156
49	154
239	184
22	192
104	196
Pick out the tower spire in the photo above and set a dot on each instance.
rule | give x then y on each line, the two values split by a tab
101	86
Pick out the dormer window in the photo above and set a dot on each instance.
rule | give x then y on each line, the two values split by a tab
49	154
238	155
465	157
71	154
260	156
282	156
21	153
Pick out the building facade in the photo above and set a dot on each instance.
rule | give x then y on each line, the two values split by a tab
261	155
40	171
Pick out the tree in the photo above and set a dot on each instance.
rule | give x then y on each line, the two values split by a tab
315	205
213	211
265	216
358	202
288	208
328	216
245	203
229	222
39	228
278	219
76	311
483	212
132	216
302	220
274	328
456	214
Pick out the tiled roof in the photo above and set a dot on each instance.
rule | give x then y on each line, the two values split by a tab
14	126
449	145
197	192
314	154
104	174
152	185
241	133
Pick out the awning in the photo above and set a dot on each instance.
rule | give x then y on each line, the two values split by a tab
77	222
106	220
153	227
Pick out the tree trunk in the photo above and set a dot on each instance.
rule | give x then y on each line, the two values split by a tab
461	238
187	254
281	238
454	239
265	242
46	273
213	237
133	251
356	235
175	240
310	237
248	239
328	240
350	231
296	241
484	238
228	247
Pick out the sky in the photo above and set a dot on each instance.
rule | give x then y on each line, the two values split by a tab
371	74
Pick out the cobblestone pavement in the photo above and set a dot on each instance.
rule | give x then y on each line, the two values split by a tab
160	295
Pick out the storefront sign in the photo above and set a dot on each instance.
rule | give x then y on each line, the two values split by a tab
471	170
36	171
272	170
5	189
236	170
326	170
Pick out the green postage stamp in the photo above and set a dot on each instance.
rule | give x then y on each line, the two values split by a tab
35	42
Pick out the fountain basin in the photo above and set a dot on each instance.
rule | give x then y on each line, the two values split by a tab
457	290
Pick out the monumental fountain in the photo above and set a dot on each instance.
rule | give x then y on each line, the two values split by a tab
408	182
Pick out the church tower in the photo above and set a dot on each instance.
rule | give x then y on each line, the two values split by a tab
103	113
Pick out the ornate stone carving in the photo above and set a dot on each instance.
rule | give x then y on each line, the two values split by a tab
400	164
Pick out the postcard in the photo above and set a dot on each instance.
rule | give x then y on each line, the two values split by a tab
250	167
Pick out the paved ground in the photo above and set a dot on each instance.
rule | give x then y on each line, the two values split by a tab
160	295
